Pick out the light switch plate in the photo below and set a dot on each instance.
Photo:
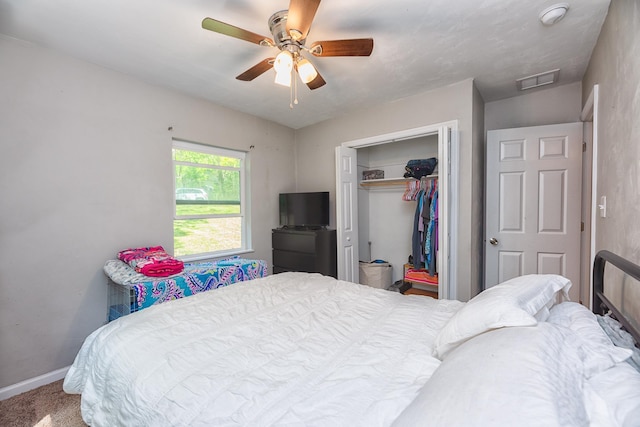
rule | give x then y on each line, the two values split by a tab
603	206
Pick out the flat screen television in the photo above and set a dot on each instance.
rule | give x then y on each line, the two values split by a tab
304	210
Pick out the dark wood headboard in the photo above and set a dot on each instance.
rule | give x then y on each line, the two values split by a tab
601	304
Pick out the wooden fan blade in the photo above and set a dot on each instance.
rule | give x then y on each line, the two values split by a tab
317	82
351	47
232	31
300	17
256	70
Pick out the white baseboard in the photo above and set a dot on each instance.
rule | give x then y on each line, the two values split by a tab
30	384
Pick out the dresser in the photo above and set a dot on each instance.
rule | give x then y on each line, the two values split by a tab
313	251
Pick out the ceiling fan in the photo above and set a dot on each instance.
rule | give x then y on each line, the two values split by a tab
290	29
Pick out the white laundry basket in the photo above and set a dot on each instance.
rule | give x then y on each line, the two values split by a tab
376	274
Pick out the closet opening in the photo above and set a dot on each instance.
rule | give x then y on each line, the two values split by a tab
376	218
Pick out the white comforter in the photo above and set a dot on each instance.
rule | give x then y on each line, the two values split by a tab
288	349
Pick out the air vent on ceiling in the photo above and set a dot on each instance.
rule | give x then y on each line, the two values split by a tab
537	80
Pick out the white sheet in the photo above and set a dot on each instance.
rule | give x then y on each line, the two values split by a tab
292	348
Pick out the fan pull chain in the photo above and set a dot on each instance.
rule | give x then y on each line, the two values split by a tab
293	92
295	89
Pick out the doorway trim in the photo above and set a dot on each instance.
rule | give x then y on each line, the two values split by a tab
448	154
590	114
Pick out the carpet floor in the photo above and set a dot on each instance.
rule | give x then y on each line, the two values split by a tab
46	406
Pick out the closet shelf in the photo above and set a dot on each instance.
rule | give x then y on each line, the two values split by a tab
388	182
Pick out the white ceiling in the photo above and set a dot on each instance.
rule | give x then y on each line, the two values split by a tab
419	45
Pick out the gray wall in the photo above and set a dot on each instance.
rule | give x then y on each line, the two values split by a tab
561	104
615	67
315	156
86	171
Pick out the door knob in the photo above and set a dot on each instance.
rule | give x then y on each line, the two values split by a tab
493	241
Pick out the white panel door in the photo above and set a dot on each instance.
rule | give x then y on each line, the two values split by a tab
533	203
347	213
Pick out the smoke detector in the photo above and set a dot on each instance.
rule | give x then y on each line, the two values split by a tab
553	14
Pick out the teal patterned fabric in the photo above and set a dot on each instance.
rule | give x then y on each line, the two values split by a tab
196	277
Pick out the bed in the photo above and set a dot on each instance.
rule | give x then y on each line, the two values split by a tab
301	349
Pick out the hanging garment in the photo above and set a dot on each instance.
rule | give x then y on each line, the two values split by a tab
432	239
416	239
411	191
424	218
430	236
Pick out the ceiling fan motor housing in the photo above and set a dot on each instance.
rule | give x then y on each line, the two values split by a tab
282	38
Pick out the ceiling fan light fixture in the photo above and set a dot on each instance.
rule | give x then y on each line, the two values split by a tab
283	62
283	79
306	70
283	66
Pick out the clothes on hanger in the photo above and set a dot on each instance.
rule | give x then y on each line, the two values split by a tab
424	240
431	240
416	239
412	189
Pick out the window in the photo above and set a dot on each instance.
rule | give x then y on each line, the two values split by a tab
209	215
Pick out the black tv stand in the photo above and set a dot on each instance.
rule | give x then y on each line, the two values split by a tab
304	249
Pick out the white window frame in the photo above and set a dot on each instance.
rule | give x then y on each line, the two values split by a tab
244	199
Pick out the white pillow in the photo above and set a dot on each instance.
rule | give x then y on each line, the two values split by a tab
521	301
599	352
520	376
